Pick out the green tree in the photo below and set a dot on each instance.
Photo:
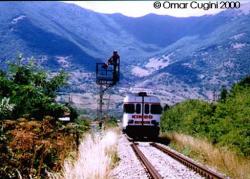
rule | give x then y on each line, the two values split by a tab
225	123
223	94
32	90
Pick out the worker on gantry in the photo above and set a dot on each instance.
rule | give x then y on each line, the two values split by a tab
115	61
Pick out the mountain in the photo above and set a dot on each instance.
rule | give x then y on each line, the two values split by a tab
163	30
53	29
201	64
178	58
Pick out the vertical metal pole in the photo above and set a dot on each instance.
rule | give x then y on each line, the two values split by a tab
100	102
142	108
107	109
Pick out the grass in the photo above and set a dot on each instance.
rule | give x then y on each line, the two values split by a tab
96	158
110	123
115	159
221	158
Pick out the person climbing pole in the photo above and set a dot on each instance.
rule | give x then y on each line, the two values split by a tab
115	61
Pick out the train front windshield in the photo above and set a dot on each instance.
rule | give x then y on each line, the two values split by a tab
129	108
132	108
156	109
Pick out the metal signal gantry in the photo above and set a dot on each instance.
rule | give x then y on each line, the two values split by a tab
106	77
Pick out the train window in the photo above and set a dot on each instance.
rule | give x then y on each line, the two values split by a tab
146	108
129	108
156	109
138	108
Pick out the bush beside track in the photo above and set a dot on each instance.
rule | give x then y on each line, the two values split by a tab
224	123
34	142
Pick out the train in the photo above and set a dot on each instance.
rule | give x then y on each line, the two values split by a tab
141	115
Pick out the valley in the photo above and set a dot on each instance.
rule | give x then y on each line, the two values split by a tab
177	58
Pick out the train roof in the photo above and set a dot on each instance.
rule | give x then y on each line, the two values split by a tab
137	98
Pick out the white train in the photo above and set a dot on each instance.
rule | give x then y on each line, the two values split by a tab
141	115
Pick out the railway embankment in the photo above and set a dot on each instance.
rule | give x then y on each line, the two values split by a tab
215	133
217	158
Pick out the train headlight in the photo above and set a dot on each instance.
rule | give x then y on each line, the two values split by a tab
155	122
130	121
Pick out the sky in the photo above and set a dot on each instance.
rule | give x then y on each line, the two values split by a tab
139	8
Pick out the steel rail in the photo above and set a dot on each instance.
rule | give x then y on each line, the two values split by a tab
150	168
130	139
205	172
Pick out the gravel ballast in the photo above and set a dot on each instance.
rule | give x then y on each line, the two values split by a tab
166	165
129	166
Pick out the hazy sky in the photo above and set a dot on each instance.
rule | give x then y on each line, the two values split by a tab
138	8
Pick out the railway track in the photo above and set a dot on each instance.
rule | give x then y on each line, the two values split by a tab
150	168
153	173
203	171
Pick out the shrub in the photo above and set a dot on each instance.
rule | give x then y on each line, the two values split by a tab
32	91
226	123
